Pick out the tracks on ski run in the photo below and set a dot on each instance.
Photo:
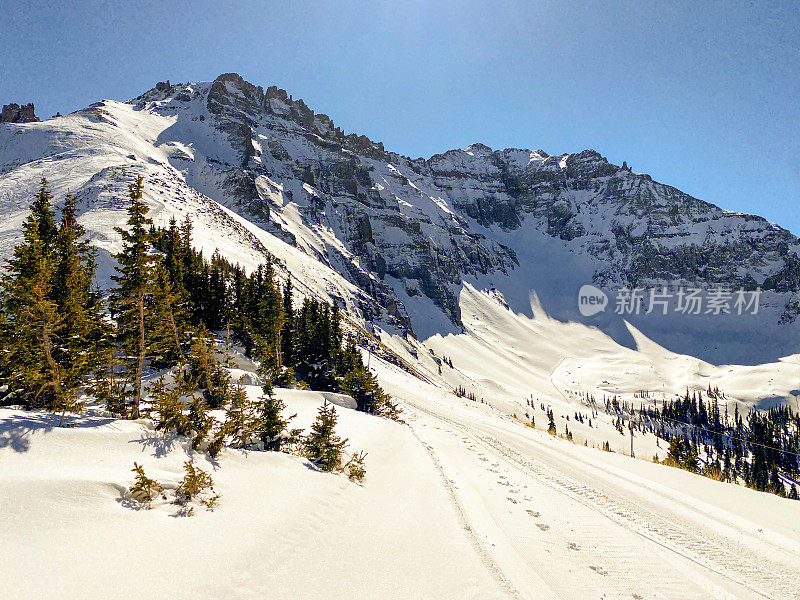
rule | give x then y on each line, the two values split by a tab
705	549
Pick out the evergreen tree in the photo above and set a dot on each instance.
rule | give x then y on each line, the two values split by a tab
268	321
83	332
144	490
364	389
42	214
682	453
204	367
287	334
130	298
551	424
166	319
31	319
167	403
242	422
322	446
272	425
317	345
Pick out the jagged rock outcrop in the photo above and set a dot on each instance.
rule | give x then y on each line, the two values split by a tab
14	113
417	228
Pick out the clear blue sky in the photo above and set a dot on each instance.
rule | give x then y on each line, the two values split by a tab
704	96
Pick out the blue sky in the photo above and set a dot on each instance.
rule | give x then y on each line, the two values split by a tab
704	96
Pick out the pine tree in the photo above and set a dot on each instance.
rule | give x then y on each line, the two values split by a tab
322	446
242	423
42	214
167	403
144	489
83	332
204	367
196	485
354	467
167	319
551	424
134	287
317	345
287	333
268	321
363	387
272	425
30	315
682	453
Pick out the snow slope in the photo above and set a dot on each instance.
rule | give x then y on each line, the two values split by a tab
280	530
561	520
464	502
95	153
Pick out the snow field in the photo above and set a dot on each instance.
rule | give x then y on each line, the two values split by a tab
281	529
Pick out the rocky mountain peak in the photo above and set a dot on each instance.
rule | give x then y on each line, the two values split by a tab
14	113
409	230
478	149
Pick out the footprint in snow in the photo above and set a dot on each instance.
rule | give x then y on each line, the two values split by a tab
544	527
598	570
532	513
573	546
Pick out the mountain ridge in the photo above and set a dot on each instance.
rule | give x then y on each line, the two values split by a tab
408	233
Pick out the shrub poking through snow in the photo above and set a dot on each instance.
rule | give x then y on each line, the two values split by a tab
355	469
241	423
145	489
196	485
168	403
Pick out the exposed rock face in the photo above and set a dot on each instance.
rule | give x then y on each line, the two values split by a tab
14	113
417	228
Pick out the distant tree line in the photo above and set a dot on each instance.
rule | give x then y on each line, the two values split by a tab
760	449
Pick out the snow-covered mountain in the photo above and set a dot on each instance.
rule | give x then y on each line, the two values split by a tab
396	239
479	254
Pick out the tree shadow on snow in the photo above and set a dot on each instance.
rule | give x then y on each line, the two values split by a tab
160	443
16	430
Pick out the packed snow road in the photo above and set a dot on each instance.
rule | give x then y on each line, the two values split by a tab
551	519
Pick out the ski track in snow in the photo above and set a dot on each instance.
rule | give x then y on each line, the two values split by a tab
480	548
699	562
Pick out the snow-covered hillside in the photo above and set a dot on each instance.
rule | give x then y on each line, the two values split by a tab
457	272
464	502
396	239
